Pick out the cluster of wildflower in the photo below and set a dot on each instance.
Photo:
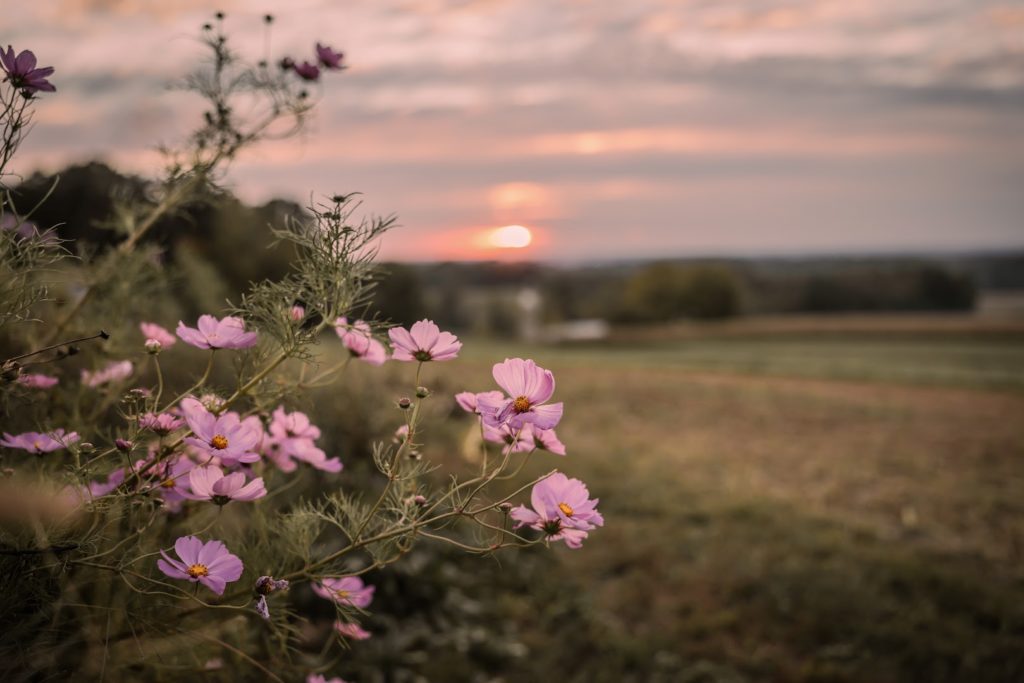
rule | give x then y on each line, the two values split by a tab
326	58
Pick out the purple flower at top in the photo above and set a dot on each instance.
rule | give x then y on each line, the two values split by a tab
360	342
352	631
562	509
152	331
115	371
40	442
227	437
209	483
22	72
349	590
307	71
328	57
529	386
210	333
424	341
162	423
37	381
208	563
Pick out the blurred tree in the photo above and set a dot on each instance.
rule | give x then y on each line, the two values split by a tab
666	291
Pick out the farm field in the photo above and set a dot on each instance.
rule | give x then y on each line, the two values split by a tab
795	509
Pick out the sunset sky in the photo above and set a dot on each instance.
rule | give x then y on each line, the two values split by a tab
610	129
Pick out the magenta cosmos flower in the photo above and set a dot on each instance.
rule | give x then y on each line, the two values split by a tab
328	58
209	483
424	341
162	423
40	442
172	481
349	590
352	631
529	387
226	437
37	381
227	333
292	435
22	71
306	71
114	371
208	563
359	341
562	509
470	402
265	585
153	332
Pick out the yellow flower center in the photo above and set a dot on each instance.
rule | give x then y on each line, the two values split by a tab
219	441
38	446
342	595
521	404
167	483
197	570
566	509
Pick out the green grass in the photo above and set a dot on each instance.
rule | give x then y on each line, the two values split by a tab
773	516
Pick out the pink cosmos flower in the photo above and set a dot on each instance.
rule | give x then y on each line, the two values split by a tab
351	631
547	440
515	440
226	437
349	590
319	678
152	331
292	435
163	423
360	342
22	72
37	381
265	585
173	481
424	341
530	387
469	401
39	442
562	509
307	71
328	57
208	563
114	371
227	333
209	483
98	489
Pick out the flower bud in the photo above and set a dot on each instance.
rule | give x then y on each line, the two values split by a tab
86	447
422	392
153	346
404	403
297	313
419	500
123	445
505	507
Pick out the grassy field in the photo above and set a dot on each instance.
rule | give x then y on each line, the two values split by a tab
784	509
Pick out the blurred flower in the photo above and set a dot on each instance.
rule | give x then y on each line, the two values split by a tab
40	442
469	401
516	440
208	563
306	71
22	71
529	386
162	424
297	313
349	590
37	381
227	333
562	509
173	485
226	437
328	57
158	334
360	342
351	631
423	342
209	483
547	440
292	435
123	445
115	371
99	489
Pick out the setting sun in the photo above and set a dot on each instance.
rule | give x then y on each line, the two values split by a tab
510	237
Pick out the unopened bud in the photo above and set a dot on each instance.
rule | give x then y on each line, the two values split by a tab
415	455
297	313
86	447
422	392
123	445
404	403
505	507
419	500
153	346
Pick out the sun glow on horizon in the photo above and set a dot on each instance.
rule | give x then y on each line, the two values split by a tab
510	237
